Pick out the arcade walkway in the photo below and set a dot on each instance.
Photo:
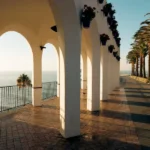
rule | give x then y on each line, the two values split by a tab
122	124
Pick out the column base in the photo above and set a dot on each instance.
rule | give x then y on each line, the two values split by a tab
70	130
92	106
37	96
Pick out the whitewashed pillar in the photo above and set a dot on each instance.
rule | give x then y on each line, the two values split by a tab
84	71
115	72
93	69
58	71
110	72
37	77
104	73
69	33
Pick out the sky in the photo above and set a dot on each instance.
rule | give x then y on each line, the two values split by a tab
16	54
129	14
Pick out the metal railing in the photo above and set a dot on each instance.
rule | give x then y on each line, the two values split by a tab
49	90
12	96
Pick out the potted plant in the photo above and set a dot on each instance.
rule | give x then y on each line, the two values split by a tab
109	20
104	38
118	41
113	28
106	9
112	12
111	48
115	54
118	58
87	15
115	33
101	1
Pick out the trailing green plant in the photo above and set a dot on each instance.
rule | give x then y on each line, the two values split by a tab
87	15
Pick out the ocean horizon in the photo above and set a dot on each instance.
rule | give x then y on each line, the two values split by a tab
8	78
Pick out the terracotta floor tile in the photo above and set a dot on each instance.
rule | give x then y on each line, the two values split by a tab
122	123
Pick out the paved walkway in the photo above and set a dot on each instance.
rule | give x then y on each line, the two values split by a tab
123	123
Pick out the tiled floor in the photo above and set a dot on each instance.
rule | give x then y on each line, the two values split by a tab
123	123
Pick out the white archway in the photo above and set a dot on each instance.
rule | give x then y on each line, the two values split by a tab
16	59
49	71
16	53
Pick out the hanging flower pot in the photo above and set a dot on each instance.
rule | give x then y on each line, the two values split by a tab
101	1
111	13
115	34
86	22
118	41
115	54
109	20
113	28
106	9
87	15
104	38
118	58
111	48
109	6
105	12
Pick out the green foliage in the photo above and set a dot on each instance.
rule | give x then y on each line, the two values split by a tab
23	81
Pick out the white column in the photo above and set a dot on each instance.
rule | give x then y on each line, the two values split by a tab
116	74
113	75
84	71
70	87
93	80
118	71
37	77
93	68
104	73
70	44
110	71
58	72
115	71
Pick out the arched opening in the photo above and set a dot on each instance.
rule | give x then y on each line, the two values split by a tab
15	60
49	72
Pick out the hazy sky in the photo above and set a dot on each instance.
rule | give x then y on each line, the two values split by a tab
15	52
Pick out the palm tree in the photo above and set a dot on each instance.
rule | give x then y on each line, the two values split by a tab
144	34
142	48
23	81
145	53
136	54
132	60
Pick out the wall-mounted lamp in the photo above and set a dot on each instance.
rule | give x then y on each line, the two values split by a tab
42	47
54	28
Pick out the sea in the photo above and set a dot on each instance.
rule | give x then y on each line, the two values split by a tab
11	96
8	78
